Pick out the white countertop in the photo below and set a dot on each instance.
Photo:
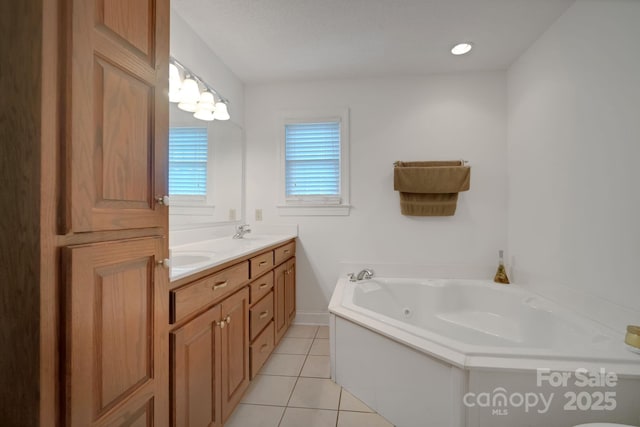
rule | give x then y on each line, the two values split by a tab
191	258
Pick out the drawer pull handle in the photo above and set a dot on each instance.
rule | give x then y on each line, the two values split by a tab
264	314
262	263
220	285
263	285
286	251
264	348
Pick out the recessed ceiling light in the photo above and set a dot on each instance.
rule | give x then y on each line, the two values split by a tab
461	48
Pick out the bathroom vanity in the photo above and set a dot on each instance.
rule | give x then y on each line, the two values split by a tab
226	318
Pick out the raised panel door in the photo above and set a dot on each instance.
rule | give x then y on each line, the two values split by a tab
117	115
116	334
235	350
279	310
195	372
290	291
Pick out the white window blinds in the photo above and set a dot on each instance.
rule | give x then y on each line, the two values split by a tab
312	160
188	161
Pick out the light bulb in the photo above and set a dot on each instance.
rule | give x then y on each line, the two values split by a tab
203	114
174	73
206	101
221	112
461	48
189	95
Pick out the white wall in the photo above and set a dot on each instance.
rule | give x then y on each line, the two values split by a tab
435	117
574	150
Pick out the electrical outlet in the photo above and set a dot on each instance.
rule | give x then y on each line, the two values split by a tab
258	214
232	214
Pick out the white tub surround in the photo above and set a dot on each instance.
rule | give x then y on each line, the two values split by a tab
413	348
191	258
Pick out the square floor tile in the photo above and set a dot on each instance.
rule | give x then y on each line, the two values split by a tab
255	416
320	347
270	390
283	364
361	419
348	402
315	393
301	331
323	332
298	417
316	366
294	346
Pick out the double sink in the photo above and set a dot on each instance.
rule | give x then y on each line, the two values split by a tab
193	257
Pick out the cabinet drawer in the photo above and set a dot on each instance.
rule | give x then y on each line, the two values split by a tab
284	252
260	314
261	349
261	286
261	263
200	294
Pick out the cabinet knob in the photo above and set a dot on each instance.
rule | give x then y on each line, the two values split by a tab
222	324
164	262
228	319
163	200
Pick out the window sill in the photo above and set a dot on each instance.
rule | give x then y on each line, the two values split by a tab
185	209
314	210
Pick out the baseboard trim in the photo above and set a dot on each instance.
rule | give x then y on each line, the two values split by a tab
312	318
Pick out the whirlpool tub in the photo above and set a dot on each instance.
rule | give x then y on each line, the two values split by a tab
413	349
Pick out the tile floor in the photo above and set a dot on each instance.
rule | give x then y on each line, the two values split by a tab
294	389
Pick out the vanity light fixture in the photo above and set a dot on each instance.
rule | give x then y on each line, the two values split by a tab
461	48
190	98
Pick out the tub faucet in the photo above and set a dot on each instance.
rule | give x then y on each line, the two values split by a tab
241	230
365	274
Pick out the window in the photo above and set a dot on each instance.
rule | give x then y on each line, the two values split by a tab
188	148
314	163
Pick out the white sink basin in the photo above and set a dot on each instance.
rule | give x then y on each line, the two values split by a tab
190	259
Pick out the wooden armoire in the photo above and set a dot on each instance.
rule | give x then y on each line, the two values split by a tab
84	231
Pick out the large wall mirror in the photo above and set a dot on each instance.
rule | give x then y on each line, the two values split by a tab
205	170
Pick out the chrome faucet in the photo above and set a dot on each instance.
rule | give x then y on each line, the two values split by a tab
365	274
241	230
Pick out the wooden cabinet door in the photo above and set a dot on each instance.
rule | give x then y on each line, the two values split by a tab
290	291
195	372
117	115
235	350
279	311
116	334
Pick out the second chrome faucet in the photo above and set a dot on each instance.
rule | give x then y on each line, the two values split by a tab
365	274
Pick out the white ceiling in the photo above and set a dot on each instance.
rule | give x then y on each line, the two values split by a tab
279	40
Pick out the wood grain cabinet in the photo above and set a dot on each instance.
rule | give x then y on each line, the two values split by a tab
210	363
224	331
284	296
116	334
88	156
116	150
290	291
195	372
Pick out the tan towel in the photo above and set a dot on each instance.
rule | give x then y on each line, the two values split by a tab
430	188
431	177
